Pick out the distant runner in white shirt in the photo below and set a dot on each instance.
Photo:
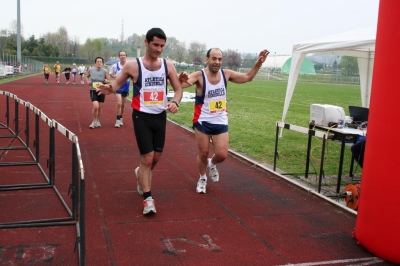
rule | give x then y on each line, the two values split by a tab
123	92
82	71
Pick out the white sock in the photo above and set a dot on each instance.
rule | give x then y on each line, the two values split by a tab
203	177
210	164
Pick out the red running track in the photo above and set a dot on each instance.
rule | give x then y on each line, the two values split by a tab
251	217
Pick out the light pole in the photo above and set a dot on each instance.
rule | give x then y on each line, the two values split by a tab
274	63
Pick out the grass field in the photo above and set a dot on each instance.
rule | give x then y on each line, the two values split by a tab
255	107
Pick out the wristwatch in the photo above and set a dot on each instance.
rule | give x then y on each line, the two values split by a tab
175	102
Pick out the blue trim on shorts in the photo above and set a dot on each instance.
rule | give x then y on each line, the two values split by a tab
210	129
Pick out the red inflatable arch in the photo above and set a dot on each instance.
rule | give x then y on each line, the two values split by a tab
378	219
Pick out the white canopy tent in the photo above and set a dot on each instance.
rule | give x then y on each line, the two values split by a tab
358	43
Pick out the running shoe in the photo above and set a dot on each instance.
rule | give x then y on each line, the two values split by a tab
201	186
121	123
117	123
149	206
67	82
82	82
139	187
97	123
213	171
93	124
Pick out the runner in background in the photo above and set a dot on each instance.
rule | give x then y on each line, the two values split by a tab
66	73
74	71
57	69
97	76
82	71
46	72
122	93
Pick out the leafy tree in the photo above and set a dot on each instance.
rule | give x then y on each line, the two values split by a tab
248	60
349	65
133	42
92	48
25	52
30	44
11	45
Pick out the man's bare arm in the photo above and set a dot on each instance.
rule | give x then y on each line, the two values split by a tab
237	77
123	76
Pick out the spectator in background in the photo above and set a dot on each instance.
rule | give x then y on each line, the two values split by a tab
358	150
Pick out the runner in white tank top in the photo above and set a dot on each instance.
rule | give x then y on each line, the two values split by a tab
210	120
149	75
211	105
150	90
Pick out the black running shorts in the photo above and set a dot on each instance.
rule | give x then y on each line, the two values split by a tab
97	98
149	131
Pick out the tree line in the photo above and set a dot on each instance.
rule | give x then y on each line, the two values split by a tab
60	44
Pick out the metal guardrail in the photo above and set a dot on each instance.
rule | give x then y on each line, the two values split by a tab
16	141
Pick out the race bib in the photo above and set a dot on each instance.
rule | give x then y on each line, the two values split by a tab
96	85
217	106
154	97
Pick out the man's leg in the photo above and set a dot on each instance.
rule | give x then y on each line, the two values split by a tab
95	110
122	109
358	152
148	162
203	145
100	111
118	109
220	143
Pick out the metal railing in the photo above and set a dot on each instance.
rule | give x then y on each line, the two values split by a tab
25	150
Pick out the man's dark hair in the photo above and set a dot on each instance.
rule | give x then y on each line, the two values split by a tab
122	52
209	51
157	32
102	60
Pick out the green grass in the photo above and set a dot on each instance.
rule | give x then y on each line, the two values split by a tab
15	77
255	107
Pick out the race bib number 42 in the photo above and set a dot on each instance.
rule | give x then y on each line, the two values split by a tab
153	97
217	106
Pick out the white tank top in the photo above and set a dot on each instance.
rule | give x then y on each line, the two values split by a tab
150	89
211	105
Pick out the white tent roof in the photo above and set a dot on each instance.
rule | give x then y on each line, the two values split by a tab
358	43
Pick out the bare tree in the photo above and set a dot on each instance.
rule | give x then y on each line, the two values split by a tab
59	39
196	52
63	40
74	46
232	59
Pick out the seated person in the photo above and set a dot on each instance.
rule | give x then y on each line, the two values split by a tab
358	150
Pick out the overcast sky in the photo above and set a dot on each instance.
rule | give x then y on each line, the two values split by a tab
246	26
